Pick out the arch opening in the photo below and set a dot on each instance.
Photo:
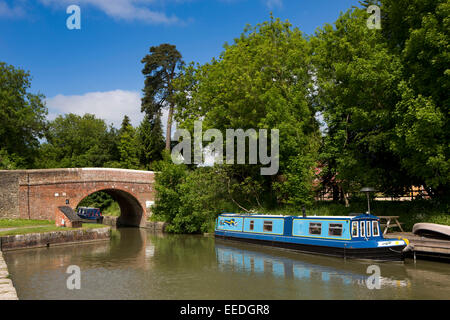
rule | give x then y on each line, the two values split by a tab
131	212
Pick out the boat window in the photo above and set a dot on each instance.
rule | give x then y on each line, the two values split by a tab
267	226
335	229
315	228
363	229
354	228
368	228
252	225
375	230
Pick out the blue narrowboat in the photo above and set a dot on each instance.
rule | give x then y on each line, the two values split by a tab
90	214
356	236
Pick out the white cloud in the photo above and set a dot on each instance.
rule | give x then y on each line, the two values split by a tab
121	9
273	3
13	11
111	106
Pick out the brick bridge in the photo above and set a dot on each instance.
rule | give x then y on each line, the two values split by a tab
35	194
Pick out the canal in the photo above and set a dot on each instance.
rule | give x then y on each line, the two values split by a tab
137	264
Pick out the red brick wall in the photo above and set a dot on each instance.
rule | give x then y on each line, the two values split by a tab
40	192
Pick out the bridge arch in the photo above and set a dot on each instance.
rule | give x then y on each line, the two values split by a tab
131	211
36	194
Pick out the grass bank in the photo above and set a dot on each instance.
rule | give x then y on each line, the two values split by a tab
15	223
112	210
43	229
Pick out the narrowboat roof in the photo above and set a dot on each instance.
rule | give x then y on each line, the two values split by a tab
352	217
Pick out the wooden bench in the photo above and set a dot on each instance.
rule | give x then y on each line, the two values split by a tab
389	220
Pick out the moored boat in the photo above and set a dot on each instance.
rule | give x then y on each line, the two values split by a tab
342	236
90	214
432	230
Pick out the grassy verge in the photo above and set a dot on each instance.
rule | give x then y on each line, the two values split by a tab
43	229
14	223
112	210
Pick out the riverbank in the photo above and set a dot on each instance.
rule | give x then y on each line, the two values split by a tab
7	290
46	238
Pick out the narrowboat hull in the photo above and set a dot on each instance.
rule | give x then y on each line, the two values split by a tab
395	253
85	217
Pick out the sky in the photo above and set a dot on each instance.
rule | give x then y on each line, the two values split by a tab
97	68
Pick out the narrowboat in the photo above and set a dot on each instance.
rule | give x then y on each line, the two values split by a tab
90	214
357	236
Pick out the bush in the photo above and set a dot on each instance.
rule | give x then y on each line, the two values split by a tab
189	200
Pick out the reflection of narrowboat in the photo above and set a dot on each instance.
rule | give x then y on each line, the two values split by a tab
90	214
241	259
345	236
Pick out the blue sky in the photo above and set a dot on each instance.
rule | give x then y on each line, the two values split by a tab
97	69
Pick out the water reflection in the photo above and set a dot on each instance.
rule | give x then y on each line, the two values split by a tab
232	256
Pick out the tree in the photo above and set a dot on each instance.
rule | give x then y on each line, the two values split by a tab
78	141
22	119
128	145
262	81
151	141
384	97
356	74
161	68
418	31
189	200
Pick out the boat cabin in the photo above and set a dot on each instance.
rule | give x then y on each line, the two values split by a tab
324	227
89	213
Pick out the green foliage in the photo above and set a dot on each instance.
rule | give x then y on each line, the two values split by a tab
384	98
420	140
161	68
355	74
168	180
150	140
128	146
418	32
201	199
9	162
188	200
22	119
100	200
297	187
78	141
262	81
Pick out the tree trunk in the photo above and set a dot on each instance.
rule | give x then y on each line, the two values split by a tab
344	196
169	128
335	191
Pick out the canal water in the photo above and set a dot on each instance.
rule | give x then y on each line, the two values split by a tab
137	264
